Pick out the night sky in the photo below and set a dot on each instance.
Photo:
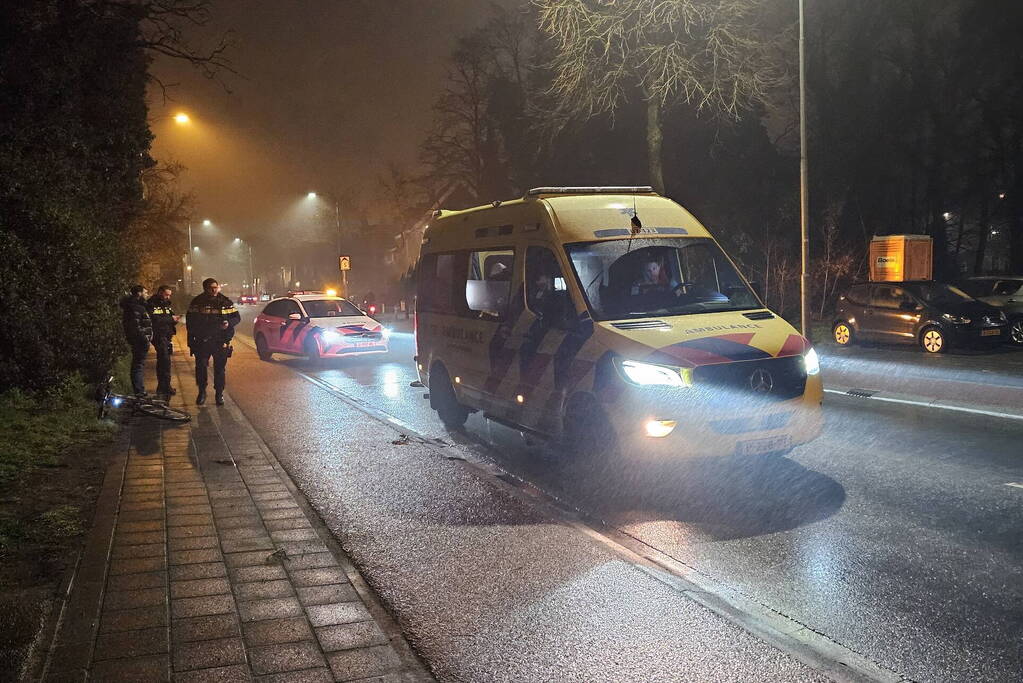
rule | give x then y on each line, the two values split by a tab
327	93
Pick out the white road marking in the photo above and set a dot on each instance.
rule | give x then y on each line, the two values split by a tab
1016	484
926	404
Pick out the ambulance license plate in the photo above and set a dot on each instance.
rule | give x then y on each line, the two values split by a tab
761	446
990	333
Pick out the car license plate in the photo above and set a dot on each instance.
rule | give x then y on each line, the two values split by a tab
761	446
990	333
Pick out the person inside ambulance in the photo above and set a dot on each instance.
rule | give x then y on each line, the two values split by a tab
659	286
653	277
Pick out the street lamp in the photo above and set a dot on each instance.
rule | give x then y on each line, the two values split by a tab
182	118
804	279
337	223
252	276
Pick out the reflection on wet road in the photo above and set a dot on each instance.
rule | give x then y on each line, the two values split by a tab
893	534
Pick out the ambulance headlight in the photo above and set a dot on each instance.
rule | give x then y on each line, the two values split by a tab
331	337
648	374
386	332
811	362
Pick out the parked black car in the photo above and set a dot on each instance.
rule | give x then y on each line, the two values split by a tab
934	315
1003	291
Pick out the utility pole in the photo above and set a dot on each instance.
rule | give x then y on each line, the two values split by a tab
191	282
252	283
337	221
804	280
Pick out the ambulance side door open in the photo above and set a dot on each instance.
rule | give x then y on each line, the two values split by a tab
491	276
537	335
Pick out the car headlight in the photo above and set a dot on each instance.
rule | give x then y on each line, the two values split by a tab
647	374
811	362
1002	317
331	337
956	319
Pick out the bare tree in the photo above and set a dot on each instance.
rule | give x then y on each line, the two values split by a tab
475	113
164	26
707	54
156	233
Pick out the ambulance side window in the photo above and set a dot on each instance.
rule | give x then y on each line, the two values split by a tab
488	283
439	287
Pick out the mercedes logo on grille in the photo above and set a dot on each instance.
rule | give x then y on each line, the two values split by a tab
761	381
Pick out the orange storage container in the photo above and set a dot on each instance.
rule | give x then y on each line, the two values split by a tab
896	258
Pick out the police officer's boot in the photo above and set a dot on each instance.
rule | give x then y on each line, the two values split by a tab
201	398
220	398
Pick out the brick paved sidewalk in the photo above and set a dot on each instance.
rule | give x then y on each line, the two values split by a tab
206	564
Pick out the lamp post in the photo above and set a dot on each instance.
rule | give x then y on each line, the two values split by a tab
191	283
804	279
252	284
337	224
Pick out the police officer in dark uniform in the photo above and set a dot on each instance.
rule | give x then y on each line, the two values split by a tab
138	331
162	314
210	324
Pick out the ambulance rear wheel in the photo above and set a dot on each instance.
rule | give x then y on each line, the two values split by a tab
444	400
263	349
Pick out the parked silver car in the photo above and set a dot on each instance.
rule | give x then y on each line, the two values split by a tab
1003	291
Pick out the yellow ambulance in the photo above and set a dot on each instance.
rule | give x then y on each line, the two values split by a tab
608	318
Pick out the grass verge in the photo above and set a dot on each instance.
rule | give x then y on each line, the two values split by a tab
52	463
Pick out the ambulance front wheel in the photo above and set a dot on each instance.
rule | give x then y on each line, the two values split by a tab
444	400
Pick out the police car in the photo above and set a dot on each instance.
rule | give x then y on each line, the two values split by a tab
316	325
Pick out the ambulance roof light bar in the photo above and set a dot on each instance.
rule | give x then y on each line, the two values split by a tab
607	189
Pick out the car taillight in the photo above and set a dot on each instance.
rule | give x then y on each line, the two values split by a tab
372	310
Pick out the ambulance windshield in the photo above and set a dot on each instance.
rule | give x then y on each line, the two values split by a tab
668	276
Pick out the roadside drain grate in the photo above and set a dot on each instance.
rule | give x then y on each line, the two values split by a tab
862	393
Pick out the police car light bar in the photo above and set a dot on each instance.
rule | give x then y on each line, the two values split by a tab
608	189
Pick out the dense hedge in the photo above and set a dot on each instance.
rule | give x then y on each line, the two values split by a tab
73	143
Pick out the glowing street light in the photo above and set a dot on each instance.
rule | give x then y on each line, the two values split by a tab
207	221
182	118
337	223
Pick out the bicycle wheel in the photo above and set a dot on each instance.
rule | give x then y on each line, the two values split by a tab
162	411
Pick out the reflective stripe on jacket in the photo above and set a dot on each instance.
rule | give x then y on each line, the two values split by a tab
205	315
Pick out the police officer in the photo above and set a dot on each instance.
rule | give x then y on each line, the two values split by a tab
210	324
138	331
164	321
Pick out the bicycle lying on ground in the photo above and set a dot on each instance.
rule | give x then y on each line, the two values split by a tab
137	405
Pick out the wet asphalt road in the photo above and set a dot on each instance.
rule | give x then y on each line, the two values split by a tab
894	534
